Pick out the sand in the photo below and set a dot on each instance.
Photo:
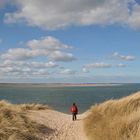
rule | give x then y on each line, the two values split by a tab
61	125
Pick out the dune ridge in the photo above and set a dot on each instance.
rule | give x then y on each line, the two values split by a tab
115	119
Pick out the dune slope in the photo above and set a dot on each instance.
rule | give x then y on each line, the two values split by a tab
15	125
115	120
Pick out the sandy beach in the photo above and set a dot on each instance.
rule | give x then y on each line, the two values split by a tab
61	125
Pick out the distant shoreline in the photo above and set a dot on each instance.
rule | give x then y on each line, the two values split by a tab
88	85
58	84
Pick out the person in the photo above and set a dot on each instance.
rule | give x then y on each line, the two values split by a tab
74	111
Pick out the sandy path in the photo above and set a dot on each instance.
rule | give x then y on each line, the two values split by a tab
62	124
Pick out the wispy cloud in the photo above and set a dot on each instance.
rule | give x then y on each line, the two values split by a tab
116	55
121	65
68	72
56	14
88	67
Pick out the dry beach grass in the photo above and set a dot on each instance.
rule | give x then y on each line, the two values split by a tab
15	125
115	120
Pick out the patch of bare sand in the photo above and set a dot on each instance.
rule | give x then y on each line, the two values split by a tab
62	124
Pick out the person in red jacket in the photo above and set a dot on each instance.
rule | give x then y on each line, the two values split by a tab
74	111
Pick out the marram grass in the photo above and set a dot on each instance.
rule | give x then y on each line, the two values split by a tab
115	119
15	125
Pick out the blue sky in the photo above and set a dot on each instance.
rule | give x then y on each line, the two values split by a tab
94	41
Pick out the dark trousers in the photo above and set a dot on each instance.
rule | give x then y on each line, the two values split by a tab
74	117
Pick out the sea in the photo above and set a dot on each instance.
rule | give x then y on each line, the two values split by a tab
61	97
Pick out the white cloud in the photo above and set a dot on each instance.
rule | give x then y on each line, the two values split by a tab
134	20
56	14
37	59
29	69
41	72
68	72
121	65
61	56
89	67
7	63
49	47
49	43
98	65
59	14
21	54
123	57
85	70
43	64
32	64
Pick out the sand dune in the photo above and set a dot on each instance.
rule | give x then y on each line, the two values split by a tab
38	122
111	120
62	124
115	119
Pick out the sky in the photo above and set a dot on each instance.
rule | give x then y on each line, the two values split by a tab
70	41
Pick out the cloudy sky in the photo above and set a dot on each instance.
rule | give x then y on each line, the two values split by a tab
74	41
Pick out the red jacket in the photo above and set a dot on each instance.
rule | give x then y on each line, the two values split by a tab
74	109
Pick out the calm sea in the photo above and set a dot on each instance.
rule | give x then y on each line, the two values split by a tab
61	98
